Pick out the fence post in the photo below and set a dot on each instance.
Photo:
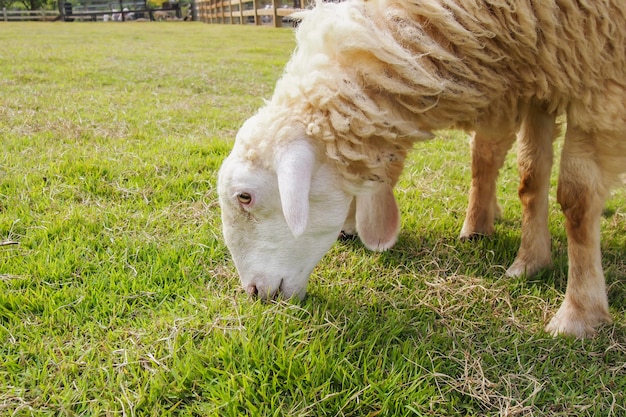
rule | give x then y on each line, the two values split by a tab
275	17
257	21
194	11
4	13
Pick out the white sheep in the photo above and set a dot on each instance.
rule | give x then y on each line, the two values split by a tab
370	77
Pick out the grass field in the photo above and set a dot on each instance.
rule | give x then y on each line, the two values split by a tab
118	297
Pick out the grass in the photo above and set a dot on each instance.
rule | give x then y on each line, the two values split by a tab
118	298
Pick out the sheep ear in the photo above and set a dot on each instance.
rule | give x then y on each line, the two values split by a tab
378	219
294	171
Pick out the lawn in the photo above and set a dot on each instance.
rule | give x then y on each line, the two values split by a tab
118	296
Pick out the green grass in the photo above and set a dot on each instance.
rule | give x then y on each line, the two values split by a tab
118	297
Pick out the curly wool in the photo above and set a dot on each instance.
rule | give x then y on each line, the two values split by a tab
369	78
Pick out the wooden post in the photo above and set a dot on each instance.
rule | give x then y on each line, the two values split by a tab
277	19
256	15
4	13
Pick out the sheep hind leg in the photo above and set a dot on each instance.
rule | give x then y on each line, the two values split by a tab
581	194
488	155
534	157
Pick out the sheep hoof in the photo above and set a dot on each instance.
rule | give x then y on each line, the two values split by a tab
472	231
346	236
470	237
522	268
572	321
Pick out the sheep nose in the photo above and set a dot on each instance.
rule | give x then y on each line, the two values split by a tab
252	290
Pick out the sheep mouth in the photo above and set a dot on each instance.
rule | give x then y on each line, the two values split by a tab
253	292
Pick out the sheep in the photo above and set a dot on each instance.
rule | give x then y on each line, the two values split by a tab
369	78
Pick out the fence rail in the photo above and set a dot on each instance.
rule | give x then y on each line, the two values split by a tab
256	12
28	15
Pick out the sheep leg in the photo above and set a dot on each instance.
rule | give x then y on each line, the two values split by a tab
349	226
534	157
581	194
488	155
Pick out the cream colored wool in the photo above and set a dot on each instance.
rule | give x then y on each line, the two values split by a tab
369	78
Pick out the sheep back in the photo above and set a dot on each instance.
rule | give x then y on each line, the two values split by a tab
370	77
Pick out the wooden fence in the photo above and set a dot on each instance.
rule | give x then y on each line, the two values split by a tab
28	15
254	12
118	10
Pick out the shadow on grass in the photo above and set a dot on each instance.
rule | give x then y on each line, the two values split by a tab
487	258
460	329
431	325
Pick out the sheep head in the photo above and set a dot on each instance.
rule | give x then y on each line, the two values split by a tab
281	212
283	208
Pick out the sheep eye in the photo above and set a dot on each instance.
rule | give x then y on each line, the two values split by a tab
244	198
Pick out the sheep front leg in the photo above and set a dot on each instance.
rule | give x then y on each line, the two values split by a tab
349	226
534	157
581	194
488	150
